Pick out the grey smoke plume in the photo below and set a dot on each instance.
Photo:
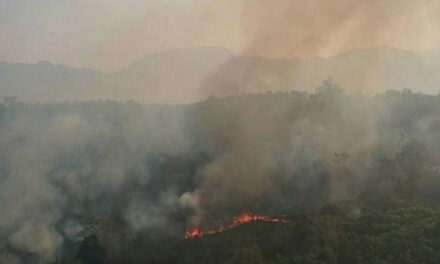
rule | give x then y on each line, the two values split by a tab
60	163
69	169
65	165
286	28
263	145
294	44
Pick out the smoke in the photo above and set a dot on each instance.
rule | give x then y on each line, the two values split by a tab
64	165
284	28
72	169
296	44
142	214
265	142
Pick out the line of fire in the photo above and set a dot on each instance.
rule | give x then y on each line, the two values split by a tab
236	221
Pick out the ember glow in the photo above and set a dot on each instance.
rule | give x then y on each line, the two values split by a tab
236	221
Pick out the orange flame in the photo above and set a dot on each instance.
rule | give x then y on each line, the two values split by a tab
236	221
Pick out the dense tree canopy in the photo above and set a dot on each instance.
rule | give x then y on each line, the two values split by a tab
356	176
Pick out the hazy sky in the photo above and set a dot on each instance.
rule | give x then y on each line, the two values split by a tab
110	34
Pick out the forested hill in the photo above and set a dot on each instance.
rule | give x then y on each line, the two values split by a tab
356	176
190	75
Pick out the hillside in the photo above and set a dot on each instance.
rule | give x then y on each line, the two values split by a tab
188	75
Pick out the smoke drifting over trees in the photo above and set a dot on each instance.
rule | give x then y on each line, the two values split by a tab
232	138
70	170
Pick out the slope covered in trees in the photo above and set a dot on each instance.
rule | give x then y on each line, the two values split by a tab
119	182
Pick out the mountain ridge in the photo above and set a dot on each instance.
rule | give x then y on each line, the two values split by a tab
187	75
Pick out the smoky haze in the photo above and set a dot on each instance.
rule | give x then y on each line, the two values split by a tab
109	35
69	169
285	28
248	119
215	48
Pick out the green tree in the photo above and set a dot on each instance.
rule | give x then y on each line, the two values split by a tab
90	251
412	162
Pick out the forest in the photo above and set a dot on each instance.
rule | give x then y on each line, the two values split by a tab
356	177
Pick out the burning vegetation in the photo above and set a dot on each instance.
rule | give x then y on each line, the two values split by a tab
129	181
242	219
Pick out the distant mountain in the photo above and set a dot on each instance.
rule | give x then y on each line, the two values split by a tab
193	74
45	81
368	71
171	76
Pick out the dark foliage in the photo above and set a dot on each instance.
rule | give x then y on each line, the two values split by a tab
102	182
